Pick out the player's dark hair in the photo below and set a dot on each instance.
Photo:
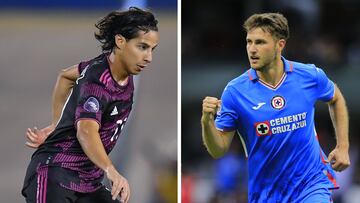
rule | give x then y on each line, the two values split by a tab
274	23
126	23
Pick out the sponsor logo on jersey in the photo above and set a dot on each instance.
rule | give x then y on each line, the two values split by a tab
91	105
281	124
278	102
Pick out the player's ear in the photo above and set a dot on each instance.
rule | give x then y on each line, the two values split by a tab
120	41
281	44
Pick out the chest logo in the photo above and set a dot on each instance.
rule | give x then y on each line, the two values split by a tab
258	106
114	112
278	102
262	128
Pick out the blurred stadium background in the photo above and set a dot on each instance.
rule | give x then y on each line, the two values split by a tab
323	32
37	40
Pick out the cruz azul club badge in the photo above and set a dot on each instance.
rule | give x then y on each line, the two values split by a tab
262	128
278	102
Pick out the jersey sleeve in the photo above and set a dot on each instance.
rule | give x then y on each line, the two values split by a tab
227	117
82	65
325	87
90	101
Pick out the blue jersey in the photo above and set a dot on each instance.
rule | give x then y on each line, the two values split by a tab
276	126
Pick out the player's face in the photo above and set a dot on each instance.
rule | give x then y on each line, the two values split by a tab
262	48
136	53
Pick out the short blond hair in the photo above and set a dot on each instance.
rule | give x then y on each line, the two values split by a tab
274	23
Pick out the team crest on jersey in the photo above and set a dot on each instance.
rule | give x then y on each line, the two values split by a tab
91	105
278	102
262	128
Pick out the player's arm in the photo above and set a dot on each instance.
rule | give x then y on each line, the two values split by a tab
89	139
339	157
65	82
216	142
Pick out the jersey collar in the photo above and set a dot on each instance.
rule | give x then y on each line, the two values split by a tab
288	66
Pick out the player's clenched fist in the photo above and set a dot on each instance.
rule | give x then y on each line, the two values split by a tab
209	107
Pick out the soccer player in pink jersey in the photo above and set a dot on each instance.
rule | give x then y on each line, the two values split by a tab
91	104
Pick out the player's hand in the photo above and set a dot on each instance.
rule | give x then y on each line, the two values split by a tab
209	108
339	159
119	185
37	137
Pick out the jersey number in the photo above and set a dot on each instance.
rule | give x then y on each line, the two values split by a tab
116	134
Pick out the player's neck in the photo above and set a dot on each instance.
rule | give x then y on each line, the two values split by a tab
273	73
117	69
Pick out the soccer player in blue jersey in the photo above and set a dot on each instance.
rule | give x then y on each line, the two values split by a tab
271	106
96	98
